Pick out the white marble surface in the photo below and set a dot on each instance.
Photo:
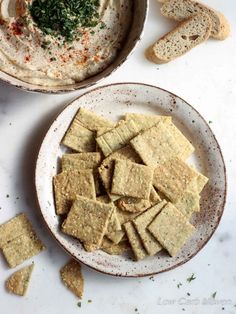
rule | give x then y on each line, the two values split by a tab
206	78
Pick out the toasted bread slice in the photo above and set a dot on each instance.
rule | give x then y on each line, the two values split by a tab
180	10
183	38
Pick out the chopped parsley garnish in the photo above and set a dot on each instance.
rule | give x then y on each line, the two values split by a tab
213	295
191	278
64	17
79	304
89	301
179	285
188	294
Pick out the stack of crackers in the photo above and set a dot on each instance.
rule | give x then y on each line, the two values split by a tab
127	184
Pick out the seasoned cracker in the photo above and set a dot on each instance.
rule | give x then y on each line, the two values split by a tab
156	145
107	167
141	222
171	229
135	241
81	161
70	184
88	220
131	179
79	138
91	120
18	282
14	228
201	182
146	121
117	137
72	278
114	249
173	178
137	205
188	203
22	248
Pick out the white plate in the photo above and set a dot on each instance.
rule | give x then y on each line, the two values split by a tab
112	102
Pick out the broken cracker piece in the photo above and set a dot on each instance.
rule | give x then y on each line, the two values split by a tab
72	278
130	179
141	222
117	137
18	282
173	178
70	184
135	241
171	229
22	248
137	205
114	249
88	220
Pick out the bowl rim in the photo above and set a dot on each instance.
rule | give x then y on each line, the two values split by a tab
72	88
222	207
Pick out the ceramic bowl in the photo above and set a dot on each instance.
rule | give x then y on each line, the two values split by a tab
113	101
139	17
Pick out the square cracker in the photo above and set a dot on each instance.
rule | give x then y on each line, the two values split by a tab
137	205
156	145
72	278
84	161
146	121
81	161
171	229
131	179
88	220
22	248
135	241
106	169
79	138
141	222
18	282
70	184
14	228
173	178
91	120
117	137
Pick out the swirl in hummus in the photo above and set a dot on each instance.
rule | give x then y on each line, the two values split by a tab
29	54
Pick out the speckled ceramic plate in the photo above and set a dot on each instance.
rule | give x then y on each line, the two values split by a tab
113	101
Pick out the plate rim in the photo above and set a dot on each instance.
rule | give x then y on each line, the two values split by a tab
222	207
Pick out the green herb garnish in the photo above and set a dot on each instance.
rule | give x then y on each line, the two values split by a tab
213	295
89	301
179	285
191	278
64	17
79	304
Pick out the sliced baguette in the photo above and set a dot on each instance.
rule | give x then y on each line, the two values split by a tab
180	10
183	38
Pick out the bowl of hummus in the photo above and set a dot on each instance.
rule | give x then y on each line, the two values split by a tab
57	46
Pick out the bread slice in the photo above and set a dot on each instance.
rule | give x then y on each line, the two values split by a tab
183	38
180	10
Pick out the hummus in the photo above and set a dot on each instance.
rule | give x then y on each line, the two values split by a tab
31	56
